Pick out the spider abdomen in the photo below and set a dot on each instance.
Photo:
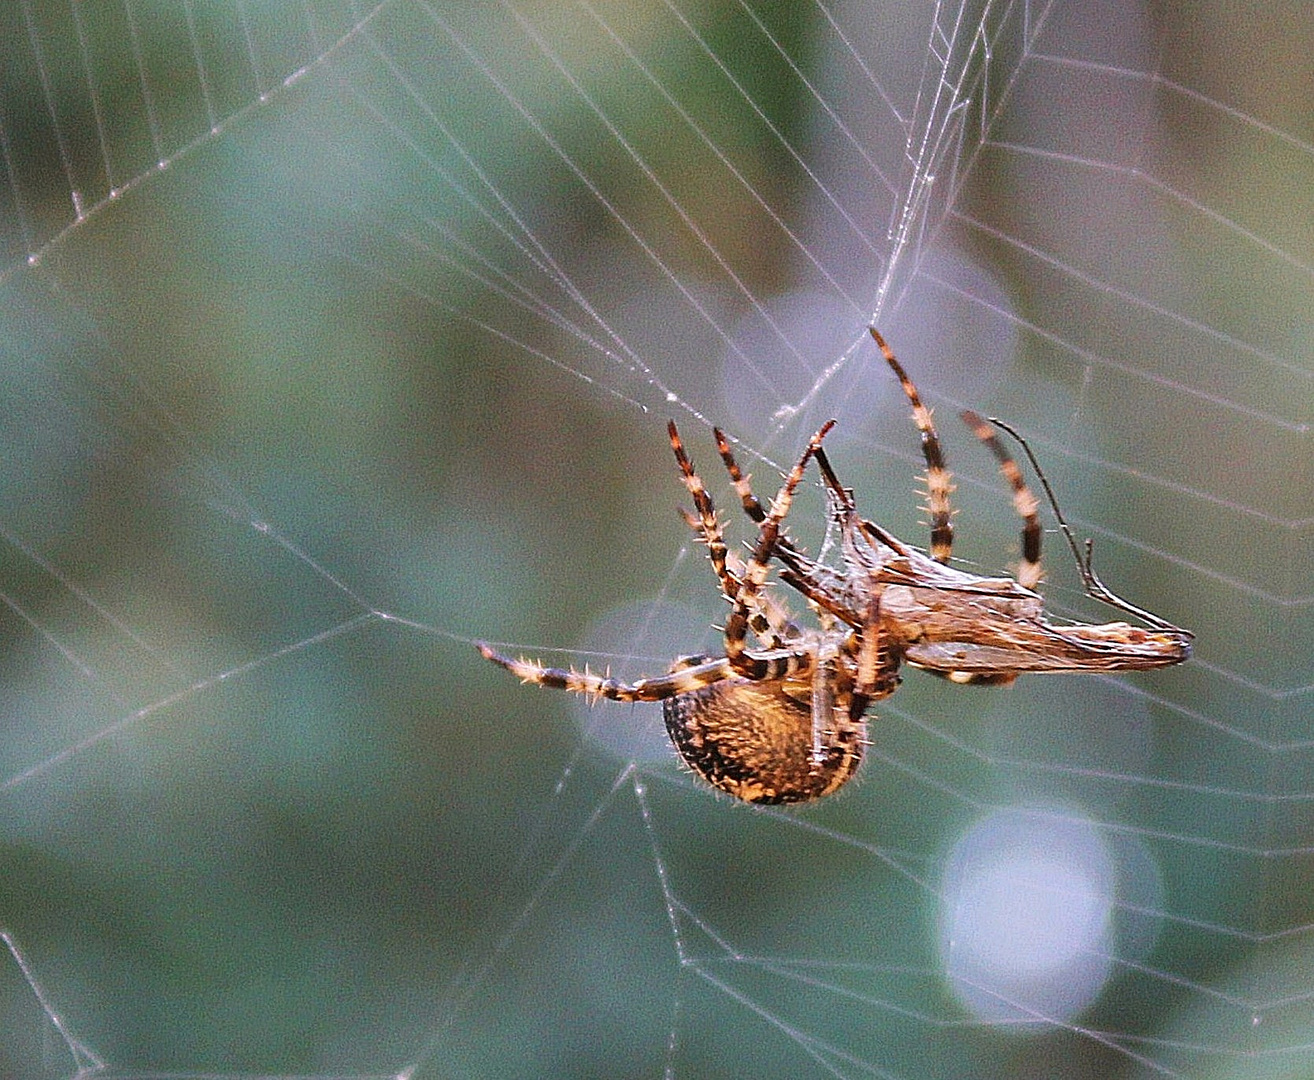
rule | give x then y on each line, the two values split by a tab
755	742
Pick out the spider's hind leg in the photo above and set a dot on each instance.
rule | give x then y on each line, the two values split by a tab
686	675
939	481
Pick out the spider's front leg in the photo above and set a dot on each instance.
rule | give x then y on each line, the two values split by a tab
755	572
705	522
819	584
769	621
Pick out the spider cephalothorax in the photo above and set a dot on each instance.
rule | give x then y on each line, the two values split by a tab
785	721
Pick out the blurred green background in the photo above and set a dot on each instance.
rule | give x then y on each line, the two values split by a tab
292	420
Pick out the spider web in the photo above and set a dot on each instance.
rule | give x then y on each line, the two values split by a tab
338	337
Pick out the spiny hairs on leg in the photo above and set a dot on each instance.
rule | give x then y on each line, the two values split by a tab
800	572
681	681
749	501
768	620
708	525
758	566
1024	502
939	482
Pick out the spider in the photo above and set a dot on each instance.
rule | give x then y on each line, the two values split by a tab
785	721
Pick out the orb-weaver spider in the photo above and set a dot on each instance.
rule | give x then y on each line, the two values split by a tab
785	721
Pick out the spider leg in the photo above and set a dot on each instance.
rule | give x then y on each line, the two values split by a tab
1025	503
1095	588
801	573
755	573
680	681
705	523
686	675
751	504
877	674
939	482
769	621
